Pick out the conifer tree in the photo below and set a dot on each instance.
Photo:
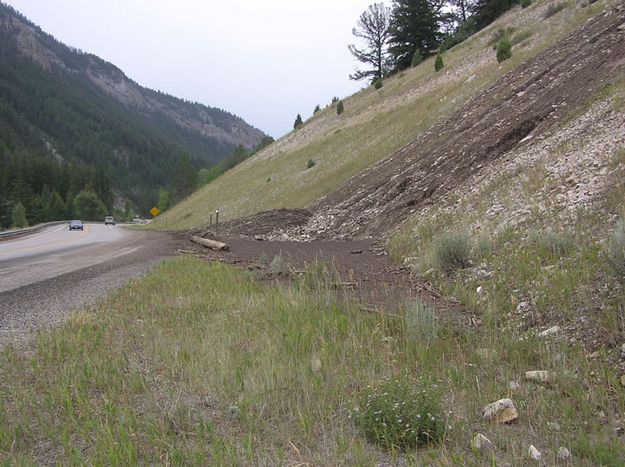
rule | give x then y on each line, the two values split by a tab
298	122
18	216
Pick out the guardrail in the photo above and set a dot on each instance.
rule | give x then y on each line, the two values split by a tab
28	230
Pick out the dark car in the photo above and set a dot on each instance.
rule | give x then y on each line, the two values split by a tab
76	225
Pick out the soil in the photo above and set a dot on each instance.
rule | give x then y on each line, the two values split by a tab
364	272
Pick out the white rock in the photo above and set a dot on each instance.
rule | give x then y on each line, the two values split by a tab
501	411
481	443
563	453
550	332
513	386
315	365
534	453
539	376
480	291
623	351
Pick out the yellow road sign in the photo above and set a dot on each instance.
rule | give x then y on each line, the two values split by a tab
155	211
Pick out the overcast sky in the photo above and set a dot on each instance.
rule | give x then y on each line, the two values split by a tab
264	60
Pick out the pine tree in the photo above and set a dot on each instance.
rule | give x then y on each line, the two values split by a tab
438	63
415	24
373	29
298	122
18	216
340	108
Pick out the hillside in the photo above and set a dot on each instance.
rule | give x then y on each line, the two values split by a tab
375	123
77	108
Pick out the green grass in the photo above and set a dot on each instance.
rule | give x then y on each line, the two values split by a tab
374	124
198	364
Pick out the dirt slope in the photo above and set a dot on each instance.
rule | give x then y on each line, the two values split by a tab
516	109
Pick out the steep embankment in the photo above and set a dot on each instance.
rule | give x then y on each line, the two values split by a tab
375	123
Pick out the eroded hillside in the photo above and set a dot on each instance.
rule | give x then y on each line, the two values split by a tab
375	124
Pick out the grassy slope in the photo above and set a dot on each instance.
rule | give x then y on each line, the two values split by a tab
198	364
374	124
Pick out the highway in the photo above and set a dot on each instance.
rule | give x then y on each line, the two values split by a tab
45	275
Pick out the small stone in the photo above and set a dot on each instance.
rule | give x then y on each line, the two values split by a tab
623	351
550	332
513	386
621	27
501	411
258	238
534	453
315	364
563	453
539	376
480	291
553	426
482	444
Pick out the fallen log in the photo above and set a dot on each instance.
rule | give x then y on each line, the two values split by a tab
212	244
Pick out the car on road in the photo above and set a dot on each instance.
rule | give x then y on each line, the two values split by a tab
108	220
76	225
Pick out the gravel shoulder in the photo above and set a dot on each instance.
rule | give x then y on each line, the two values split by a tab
45	303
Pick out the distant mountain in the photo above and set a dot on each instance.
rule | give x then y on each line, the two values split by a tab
75	108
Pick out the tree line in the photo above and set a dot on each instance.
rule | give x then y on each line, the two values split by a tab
35	188
400	36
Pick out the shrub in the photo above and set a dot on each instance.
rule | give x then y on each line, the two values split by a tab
554	8
340	108
452	250
525	3
421	324
400	413
417	58
317	109
504	49
616	249
438	64
310	164
550	244
378	83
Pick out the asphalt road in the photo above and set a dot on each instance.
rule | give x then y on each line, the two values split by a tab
46	275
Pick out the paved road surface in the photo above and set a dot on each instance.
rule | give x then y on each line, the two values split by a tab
45	275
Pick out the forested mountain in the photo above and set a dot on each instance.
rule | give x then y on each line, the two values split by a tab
70	121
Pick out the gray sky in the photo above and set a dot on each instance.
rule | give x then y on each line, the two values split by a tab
264	60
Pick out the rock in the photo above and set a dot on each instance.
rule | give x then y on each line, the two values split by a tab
480	291
501	411
550	332
315	364
553	426
621	27
513	386
534	453
563	454
539	376
623	380
623	351
482	444
260	238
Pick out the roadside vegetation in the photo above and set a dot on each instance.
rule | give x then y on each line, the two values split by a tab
198	363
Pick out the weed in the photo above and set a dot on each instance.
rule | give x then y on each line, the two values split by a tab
400	414
615	250
555	8
421	324
310	164
521	36
452	250
498	35
378	84
550	244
